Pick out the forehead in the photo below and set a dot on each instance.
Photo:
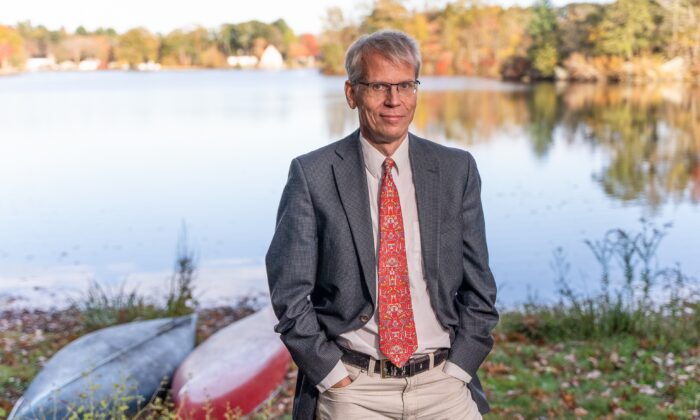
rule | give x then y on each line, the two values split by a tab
380	68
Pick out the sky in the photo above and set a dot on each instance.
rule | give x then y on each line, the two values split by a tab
166	15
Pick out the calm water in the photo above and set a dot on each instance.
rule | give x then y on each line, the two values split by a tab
98	171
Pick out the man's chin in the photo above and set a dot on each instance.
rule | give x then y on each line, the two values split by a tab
388	138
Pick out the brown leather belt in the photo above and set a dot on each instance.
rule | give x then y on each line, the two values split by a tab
414	366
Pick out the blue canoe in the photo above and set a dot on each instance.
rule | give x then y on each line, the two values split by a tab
126	363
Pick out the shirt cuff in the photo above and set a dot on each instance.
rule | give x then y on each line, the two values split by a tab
336	375
456	371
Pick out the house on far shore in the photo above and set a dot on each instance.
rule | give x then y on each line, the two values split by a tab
89	64
40	63
242	61
271	59
148	66
67	65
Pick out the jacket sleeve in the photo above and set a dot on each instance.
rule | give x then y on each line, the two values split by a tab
476	297
291	263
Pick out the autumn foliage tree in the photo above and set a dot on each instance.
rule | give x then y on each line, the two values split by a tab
11	48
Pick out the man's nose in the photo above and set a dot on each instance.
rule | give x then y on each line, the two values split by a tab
392	96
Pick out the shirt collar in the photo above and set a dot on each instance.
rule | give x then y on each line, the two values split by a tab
374	159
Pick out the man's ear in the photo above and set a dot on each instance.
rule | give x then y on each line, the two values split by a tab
350	94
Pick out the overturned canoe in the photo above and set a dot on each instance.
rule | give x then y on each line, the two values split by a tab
115	366
237	368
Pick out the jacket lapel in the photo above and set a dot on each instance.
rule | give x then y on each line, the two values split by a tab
426	179
351	181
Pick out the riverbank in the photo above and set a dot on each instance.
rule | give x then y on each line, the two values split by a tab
579	72
524	377
631	349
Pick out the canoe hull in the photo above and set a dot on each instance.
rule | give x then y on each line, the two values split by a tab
235	370
122	364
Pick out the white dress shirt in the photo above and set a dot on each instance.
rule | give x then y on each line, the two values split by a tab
431	335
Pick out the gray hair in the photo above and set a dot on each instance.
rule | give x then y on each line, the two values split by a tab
393	45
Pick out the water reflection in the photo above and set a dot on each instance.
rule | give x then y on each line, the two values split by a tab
650	136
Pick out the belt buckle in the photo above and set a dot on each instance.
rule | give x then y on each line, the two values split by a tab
389	370
382	368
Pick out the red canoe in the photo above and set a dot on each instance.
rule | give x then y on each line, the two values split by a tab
238	366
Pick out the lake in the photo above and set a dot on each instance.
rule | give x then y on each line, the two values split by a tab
100	171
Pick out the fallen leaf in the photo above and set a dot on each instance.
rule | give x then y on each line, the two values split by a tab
568	399
538	394
496	368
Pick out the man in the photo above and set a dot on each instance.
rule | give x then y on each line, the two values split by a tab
378	268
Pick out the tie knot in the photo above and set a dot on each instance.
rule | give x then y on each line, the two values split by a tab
389	164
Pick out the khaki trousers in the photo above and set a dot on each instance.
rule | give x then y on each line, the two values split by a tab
429	395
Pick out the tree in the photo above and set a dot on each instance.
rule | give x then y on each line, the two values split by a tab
177	49
242	36
11	48
626	29
39	41
137	46
575	24
287	36
79	47
337	36
543	52
386	14
681	25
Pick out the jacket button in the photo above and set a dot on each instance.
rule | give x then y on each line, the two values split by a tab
364	318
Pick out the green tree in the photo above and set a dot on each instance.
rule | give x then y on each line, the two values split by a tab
337	36
626	29
287	36
177	49
543	52
242	36
108	32
137	46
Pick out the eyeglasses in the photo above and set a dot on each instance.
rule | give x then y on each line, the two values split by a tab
407	88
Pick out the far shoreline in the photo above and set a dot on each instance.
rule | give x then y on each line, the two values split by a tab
518	84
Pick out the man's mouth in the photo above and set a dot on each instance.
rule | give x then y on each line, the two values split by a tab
392	118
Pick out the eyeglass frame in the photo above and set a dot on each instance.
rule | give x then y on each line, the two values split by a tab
415	82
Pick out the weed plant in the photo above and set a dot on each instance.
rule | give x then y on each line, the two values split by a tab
642	299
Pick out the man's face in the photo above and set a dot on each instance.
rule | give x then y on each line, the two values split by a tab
384	116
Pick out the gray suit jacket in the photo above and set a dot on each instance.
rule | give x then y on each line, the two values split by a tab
321	262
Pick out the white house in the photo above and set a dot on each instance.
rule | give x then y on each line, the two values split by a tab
242	61
148	66
89	64
40	63
271	58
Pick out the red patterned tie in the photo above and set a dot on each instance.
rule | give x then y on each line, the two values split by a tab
397	331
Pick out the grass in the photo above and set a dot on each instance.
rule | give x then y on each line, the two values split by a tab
101	307
592	379
632	349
